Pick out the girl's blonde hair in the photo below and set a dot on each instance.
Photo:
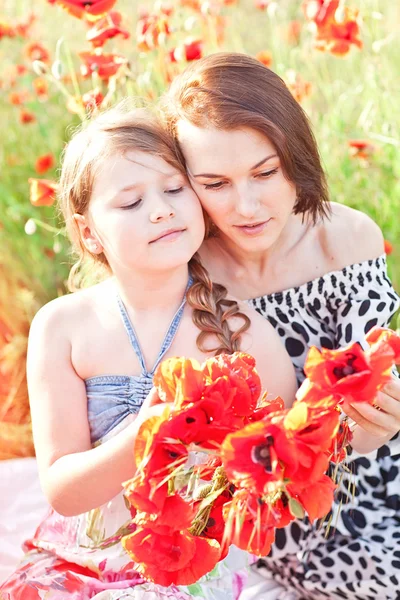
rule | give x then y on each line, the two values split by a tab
116	132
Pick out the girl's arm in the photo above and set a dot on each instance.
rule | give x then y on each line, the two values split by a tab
75	477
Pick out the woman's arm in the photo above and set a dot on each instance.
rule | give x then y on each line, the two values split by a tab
75	478
371	301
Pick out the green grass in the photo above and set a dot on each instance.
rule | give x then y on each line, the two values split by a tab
352	97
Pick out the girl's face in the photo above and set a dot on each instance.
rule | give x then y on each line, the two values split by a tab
240	182
144	213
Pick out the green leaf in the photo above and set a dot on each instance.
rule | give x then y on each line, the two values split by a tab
296	509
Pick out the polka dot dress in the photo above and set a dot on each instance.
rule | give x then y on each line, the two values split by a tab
360	557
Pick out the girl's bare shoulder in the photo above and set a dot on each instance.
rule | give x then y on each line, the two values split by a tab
71	310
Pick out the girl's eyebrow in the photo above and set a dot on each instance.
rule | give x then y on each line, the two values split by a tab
215	176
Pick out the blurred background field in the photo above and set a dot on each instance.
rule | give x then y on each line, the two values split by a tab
339	58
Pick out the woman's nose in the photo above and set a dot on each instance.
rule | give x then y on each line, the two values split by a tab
247	203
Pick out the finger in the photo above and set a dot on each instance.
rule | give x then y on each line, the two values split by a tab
152	399
392	388
363	421
376	418
391	406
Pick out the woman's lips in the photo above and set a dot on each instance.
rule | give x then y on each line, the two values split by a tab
255	229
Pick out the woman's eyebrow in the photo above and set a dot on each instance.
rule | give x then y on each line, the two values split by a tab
215	175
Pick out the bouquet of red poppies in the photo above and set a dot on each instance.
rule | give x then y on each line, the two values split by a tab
223	466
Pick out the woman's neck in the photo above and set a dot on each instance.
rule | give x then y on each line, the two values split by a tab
153	292
260	262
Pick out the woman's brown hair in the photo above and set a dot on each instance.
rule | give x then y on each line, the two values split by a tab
231	91
118	131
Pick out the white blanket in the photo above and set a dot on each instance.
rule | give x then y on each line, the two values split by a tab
22	507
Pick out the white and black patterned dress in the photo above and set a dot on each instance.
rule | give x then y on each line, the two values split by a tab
360	560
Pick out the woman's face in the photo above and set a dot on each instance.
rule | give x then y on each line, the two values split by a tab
240	182
144	213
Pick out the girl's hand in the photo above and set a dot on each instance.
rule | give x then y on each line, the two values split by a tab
383	418
152	406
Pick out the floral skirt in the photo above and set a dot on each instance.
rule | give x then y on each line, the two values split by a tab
44	576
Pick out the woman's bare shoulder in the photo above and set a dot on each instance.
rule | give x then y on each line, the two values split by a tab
349	237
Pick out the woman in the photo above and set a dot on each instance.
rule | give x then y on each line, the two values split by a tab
317	271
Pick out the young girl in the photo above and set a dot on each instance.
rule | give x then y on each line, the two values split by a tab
92	354
317	271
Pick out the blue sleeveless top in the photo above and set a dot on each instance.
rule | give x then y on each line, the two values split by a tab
111	398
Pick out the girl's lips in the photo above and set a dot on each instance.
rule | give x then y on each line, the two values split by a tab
253	229
169	236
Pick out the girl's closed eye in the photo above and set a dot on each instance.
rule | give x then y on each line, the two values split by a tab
176	190
133	205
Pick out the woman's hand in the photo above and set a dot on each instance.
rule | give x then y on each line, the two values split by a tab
376	424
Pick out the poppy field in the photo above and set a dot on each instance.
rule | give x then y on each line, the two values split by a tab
62	60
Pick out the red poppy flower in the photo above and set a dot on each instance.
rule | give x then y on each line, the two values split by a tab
202	424
36	51
349	372
249	523
172	558
21	70
191	49
44	163
388	247
105	65
179	380
22	28
304	440
381	337
89	9
264	408
41	87
342	439
42	191
194	4
26	117
265	57
316	397
92	99
144	496
150	30
250	458
316	498
105	29
6	30
262	4
337	26
293	32
239	370
299	87
361	148
18	98
177	514
215	526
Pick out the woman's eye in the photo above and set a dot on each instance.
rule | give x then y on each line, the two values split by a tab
214	186
175	190
266	174
133	205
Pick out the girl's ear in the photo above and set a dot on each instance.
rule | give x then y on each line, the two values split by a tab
89	240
